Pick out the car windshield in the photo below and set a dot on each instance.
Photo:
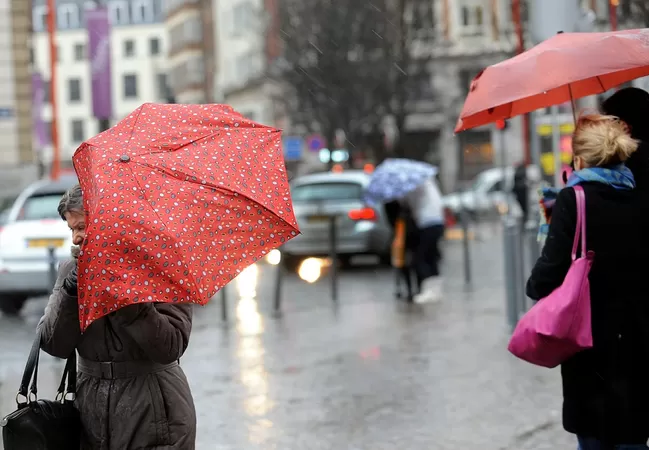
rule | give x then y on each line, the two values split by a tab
326	192
40	207
483	182
4	215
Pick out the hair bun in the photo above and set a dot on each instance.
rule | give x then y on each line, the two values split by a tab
602	140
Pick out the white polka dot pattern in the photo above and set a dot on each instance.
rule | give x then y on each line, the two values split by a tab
180	199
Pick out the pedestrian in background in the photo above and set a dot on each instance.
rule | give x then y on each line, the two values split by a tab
425	203
404	246
632	106
605	388
131	392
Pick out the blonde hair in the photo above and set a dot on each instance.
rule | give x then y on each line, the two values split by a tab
602	140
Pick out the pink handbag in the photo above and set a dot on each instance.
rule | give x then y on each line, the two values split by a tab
559	325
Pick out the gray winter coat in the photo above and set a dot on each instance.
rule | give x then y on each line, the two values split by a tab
139	397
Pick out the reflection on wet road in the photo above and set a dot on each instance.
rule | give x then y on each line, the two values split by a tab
367	374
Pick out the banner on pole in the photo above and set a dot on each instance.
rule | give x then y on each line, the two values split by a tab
98	27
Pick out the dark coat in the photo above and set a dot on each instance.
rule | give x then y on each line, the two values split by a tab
152	411
638	163
605	389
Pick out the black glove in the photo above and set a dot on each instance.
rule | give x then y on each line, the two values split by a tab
70	282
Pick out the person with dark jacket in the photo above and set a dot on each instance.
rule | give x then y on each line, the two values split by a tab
606	388
395	211
631	105
131	392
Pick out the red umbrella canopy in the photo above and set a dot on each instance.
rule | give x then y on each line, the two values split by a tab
566	66
179	200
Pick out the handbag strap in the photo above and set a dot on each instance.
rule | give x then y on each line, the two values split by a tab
30	368
580	228
27	392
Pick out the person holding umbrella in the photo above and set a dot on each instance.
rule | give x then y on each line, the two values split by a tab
412	184
131	392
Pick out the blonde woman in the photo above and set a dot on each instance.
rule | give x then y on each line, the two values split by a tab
606	388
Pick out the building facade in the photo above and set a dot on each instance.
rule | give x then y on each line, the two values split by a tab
242	36
192	54
138	65
15	95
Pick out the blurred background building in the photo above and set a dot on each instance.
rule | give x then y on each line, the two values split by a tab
228	51
139	66
16	153
192	55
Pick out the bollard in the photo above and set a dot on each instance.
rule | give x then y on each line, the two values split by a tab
510	229
279	275
333	255
51	259
533	249
520	274
464	218
224	304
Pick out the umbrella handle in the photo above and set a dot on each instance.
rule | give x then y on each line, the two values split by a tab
574	107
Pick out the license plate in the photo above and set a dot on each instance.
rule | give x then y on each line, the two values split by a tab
45	243
318	219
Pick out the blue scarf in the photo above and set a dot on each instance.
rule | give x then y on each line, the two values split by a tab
619	177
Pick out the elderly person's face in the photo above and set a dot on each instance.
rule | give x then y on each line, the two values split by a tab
77	223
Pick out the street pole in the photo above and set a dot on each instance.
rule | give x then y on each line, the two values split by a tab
520	48
51	34
556	146
612	11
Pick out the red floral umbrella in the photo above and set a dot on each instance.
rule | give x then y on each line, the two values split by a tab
179	200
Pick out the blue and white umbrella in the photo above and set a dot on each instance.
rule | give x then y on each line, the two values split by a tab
394	178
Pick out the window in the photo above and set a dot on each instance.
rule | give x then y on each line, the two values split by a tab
47	91
473	20
47	126
79	52
78	134
163	88
40	207
142	11
154	46
242	17
68	16
74	90
466	16
118	12
129	48
326	192
39	18
130	86
193	30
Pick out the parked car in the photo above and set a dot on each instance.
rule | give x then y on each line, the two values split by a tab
490	193
360	230
32	225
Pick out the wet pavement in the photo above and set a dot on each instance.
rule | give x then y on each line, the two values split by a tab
367	373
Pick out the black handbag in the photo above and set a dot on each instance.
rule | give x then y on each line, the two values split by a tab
44	424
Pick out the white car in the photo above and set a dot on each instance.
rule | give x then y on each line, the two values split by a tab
31	227
490	193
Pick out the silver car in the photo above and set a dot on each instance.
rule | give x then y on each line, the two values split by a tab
360	230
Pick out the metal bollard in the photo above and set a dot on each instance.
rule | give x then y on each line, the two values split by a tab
279	276
333	255
51	258
510	240
464	218
224	304
520	270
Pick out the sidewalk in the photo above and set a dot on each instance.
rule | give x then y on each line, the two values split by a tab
371	373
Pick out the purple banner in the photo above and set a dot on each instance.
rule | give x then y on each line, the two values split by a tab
98	26
40	134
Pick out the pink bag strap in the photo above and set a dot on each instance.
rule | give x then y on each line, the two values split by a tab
580	228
